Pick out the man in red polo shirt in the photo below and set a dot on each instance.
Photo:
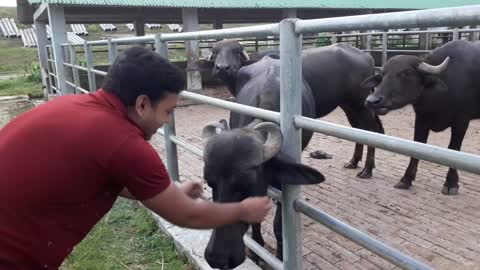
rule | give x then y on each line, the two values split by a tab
63	164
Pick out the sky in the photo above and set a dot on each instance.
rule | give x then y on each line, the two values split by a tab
8	3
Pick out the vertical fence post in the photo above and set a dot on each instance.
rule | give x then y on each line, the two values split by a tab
169	128
455	34
384	47
333	39
291	105
73	61
112	51
368	44
92	84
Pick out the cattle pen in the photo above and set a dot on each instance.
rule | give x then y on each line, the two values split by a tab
290	32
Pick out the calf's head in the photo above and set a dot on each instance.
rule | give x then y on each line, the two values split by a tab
402	81
241	163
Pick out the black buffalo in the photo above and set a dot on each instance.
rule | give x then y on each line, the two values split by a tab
334	73
241	163
258	86
444	89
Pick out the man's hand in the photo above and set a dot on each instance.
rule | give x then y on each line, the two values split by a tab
193	189
254	209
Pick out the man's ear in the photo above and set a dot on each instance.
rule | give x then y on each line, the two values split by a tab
371	82
200	65
140	104
285	170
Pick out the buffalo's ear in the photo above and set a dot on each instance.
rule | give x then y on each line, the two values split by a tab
284	170
371	82
433	83
200	65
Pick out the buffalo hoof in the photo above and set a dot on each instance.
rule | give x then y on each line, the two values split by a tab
365	174
402	185
450	191
351	165
320	155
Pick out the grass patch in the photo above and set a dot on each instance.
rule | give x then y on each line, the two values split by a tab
20	86
14	58
126	238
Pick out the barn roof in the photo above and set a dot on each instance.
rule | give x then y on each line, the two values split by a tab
348	4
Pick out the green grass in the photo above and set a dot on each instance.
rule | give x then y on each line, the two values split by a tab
14	58
20	86
126	238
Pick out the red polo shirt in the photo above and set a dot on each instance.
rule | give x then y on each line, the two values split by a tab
62	166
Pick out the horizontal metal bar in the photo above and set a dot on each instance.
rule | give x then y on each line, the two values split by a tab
274	193
81	68
238	32
192	149
124	40
404	32
77	87
99	72
263	253
465	15
232	106
415	51
85	91
439	155
390	254
51	60
54	88
52	74
76	66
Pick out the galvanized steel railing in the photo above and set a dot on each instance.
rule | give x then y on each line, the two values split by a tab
291	121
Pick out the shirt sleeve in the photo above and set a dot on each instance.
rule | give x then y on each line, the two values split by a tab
138	167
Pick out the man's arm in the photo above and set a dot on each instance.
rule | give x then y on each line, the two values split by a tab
176	207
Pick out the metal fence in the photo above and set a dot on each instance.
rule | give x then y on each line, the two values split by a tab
290	119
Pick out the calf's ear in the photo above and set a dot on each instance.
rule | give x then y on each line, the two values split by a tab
371	82
285	170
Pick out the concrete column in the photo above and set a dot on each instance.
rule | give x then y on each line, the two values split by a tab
56	16
139	25
190	23
218	24
289	13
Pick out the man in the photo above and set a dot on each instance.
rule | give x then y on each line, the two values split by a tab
63	164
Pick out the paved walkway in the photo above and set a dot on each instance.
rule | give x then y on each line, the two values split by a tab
442	231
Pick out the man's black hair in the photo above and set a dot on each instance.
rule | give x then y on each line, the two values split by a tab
138	71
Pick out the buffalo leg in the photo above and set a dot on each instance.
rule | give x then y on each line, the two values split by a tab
277	230
363	119
358	152
370	122
450	187
420	135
